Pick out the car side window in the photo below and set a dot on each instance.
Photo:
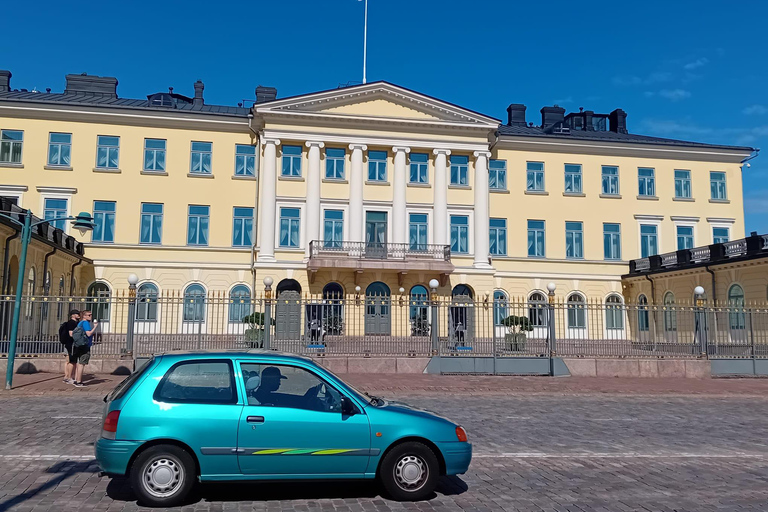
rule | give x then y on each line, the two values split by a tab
203	382
273	385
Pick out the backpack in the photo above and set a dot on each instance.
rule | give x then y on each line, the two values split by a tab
64	334
81	339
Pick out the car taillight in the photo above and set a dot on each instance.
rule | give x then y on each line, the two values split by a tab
461	434
109	429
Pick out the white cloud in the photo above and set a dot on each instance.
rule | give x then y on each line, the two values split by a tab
696	64
563	101
653	78
690	130
755	110
675	94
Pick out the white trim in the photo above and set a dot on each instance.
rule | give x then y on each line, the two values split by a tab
688	222
424	210
684	219
649	218
16	191
344	207
302	224
57	190
57	195
720	220
470	214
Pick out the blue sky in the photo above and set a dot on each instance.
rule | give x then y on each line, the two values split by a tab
682	69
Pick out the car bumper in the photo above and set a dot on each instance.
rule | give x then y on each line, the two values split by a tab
457	457
113	456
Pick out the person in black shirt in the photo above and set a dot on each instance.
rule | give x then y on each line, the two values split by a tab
69	368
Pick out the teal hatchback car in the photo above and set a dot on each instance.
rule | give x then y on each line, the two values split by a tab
185	417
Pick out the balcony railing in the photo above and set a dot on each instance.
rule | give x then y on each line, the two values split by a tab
378	251
752	246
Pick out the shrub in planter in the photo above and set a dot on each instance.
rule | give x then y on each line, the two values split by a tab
516	328
254	334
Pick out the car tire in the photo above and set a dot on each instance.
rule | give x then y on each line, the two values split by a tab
409	472
163	475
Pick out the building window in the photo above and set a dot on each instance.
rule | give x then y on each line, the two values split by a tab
610	180
573	178
460	234
670	313
682	184
239	303
612	241
500	307
497	175
107	152
646	182
649	243
104	218
419	168
55	212
154	155
643	319
684	237
245	160
333	230
151	223
460	170
200	158
377	166
59	149
498	237
536	238
577	313
417	226
736	318
242	227
614	313
717	184
197	225
98	301
11	142
535	176
537	309
720	235
291	161
146	303
194	303
289	227
334	163
574	240
419	311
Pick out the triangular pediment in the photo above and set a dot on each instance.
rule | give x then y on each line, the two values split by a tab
379	100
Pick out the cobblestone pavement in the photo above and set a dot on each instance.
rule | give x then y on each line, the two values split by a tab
553	452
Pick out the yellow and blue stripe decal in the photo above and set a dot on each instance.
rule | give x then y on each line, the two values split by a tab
312	451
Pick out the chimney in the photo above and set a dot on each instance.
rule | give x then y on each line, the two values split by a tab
5	80
264	94
588	126
197	102
104	86
516	114
551	116
617	121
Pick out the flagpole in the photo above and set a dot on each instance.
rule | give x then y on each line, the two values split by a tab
365	39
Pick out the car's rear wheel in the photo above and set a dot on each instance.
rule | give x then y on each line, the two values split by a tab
409	471
163	475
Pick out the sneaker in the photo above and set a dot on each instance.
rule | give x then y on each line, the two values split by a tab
78	384
69	381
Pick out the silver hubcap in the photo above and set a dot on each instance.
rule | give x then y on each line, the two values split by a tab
163	476
411	473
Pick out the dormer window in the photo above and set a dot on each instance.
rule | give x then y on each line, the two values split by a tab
161	99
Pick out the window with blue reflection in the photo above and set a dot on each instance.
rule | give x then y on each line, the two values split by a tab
460	170
333	228
291	161
417	227
197	225
377	166
419	168
334	163
536	238
104	220
245	160
151	223
200	158
290	221
242	227
55	211
459	234
498	237
535	176
497	174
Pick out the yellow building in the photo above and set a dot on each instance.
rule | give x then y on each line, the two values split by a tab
371	190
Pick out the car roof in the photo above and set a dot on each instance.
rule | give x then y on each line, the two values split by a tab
232	354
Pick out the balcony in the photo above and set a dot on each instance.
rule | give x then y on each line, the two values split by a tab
361	256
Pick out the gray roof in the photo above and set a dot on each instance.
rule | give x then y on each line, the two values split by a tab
609	136
100	100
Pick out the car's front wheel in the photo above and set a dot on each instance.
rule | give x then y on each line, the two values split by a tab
409	472
163	475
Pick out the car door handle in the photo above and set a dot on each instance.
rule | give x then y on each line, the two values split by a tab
255	419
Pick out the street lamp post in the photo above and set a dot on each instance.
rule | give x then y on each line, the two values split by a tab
551	287
82	222
267	311
133	279
700	319
433	284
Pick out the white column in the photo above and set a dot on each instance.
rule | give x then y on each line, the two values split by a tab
481	209
399	180
268	200
356	184
313	214
440	221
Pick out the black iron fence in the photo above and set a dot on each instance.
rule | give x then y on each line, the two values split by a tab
393	326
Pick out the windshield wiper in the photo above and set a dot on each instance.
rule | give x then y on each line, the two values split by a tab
375	400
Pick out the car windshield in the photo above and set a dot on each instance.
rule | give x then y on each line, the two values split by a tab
365	397
126	384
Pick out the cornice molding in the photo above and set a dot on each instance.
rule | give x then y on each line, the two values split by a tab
374	140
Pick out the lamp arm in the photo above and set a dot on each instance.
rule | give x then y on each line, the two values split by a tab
71	217
12	219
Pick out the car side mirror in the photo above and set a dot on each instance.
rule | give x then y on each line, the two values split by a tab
347	407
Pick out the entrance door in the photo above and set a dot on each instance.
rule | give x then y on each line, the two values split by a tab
462	317
376	235
377	309
288	316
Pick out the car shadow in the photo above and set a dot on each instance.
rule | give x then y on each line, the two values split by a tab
62	470
119	489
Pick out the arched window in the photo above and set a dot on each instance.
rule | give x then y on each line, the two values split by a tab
194	303
47	293
287	285
500	307
239	303
98	301
60	305
333	309
614	312
30	292
462	290
377	289
537	307
333	291
419	311
146	303
643	321
577	314
670	313
736	317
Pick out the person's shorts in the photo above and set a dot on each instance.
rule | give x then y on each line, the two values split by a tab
82	356
70	353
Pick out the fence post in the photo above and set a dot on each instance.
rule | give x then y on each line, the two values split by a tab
701	332
434	328
267	311
551	287
132	280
